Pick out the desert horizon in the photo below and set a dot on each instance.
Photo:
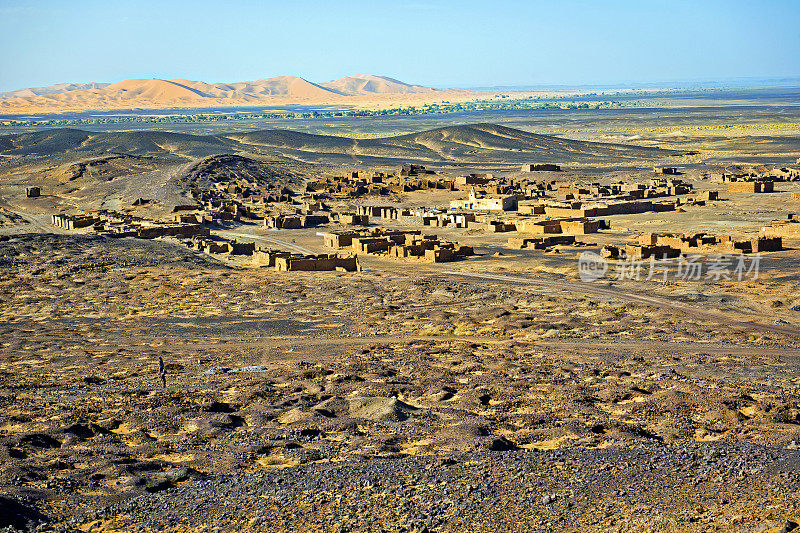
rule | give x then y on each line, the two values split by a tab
360	91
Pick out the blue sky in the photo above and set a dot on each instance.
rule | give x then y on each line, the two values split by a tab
439	43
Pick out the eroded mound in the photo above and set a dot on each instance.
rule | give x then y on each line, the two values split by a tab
230	167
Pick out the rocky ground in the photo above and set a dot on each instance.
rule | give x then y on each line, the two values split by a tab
696	487
390	400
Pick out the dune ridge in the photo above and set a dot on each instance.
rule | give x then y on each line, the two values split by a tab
162	93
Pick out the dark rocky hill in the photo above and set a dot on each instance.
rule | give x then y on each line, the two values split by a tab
473	144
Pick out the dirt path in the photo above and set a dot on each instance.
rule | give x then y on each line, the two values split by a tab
784	353
261	239
619	294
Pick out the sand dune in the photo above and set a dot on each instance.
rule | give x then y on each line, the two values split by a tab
165	90
58	88
158	93
368	84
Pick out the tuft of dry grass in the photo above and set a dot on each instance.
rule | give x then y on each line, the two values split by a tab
276	461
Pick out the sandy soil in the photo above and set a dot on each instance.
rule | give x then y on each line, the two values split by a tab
268	370
497	392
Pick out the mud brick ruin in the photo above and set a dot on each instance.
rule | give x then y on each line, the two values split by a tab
638	252
756	179
750	186
788	227
378	211
666	170
543	167
229	247
673	245
410	178
320	262
351	219
413	170
73	221
295	221
540	243
579	209
280	260
286	261
411	245
114	224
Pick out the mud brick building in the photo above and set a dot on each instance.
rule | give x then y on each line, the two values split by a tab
788	228
751	186
72	222
705	243
540	243
322	262
398	244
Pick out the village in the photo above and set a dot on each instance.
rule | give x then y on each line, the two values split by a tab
362	213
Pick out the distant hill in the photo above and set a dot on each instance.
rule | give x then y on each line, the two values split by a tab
472	144
153	143
159	93
475	144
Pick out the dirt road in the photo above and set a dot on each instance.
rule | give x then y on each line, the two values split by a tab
614	293
263	239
